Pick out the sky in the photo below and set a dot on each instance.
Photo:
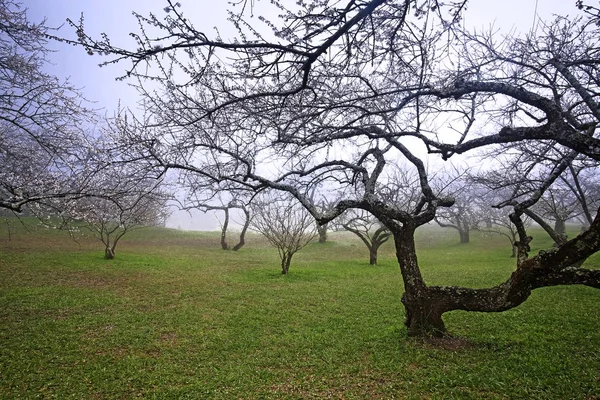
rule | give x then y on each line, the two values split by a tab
114	17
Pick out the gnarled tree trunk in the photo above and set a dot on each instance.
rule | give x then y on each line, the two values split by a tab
425	305
423	316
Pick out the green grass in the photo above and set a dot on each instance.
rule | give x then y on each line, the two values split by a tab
173	316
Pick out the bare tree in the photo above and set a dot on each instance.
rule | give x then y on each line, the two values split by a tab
348	91
372	233
285	224
464	214
222	198
498	222
233	205
225	207
140	203
44	151
324	202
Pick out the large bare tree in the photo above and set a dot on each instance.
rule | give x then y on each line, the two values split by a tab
340	94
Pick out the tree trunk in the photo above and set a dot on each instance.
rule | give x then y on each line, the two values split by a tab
373	255
423	316
286	260
322	229
425	305
109	253
559	227
464	236
242	241
224	244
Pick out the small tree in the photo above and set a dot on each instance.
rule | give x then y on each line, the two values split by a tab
324	203
226	209
285	224
364	225
131	204
464	215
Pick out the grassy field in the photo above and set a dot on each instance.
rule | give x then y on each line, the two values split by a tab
175	317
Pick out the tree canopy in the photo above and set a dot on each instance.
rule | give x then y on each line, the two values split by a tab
46	126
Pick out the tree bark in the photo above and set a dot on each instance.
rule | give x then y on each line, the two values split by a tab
224	244
242	241
425	305
322	229
423	317
286	260
109	253
373	256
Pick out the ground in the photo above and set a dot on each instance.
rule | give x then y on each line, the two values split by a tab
173	316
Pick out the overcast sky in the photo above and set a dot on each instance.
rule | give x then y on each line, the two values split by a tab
114	17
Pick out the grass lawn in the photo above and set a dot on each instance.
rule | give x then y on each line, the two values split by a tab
176	317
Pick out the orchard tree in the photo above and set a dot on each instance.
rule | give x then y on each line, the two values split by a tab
341	94
574	195
285	224
498	222
226	209
466	213
133	204
370	231
324	201
221	198
44	151
585	184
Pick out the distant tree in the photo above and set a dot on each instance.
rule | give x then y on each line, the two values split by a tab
498	222
466	213
44	151
221	199
364	225
324	202
573	195
226	209
134	202
460	216
558	204
585	184
285	224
